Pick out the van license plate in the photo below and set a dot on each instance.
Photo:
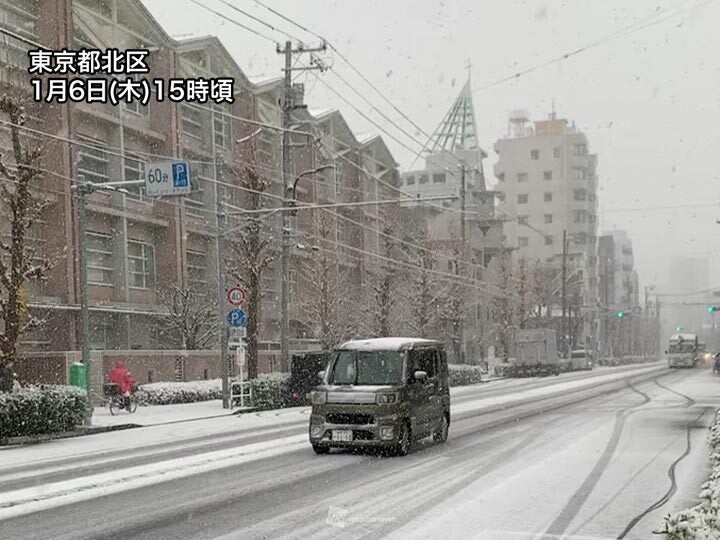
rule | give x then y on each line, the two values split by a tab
344	435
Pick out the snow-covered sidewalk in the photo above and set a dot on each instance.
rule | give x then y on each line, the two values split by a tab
162	414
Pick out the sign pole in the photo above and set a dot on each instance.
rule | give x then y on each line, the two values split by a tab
220	262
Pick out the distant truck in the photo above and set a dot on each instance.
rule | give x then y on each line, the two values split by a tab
581	360
682	350
535	353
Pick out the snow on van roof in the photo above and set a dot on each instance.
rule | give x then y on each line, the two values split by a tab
386	344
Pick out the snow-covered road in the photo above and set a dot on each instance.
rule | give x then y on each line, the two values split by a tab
576	456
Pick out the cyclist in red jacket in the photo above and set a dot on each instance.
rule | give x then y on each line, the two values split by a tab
122	377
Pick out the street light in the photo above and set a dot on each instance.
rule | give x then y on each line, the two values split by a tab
289	200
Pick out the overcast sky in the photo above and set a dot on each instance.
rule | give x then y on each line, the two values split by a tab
649	101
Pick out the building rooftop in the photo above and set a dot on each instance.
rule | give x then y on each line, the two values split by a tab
458	130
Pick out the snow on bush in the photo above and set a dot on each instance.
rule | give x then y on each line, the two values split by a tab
167	393
271	391
701	522
461	374
38	410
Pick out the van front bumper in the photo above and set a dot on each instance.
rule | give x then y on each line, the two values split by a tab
384	431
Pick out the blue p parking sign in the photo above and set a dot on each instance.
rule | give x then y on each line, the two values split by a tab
180	174
237	317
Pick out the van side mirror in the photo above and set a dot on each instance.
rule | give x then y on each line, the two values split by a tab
420	376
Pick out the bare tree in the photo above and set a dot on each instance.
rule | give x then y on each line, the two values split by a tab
251	250
191	319
323	301
19	262
502	307
384	281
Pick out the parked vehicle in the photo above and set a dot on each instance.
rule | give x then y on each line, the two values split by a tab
535	353
304	374
682	350
580	360
382	393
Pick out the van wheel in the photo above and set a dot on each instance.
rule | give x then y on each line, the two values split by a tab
321	449
441	433
402	448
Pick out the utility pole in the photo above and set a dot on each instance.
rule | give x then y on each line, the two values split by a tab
564	291
82	190
288	104
464	253
220	262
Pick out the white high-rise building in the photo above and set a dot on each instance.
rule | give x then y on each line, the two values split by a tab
546	176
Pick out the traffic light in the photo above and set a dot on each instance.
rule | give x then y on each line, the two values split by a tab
713	309
620	314
678	328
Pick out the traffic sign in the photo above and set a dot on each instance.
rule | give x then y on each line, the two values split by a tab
237	296
237	317
636	310
163	178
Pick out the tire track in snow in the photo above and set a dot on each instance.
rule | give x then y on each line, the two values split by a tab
671	475
578	499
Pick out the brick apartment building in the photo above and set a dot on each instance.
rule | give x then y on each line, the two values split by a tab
138	246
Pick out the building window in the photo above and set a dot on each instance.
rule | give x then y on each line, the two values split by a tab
423	179
192	121
221	127
548	240
134	170
534	154
547	175
141	264
99	258
439	178
592	218
523	220
522	177
548	218
101	332
197	271
522	198
501	176
135	106
523	241
556	152
548	196
410	180
580	195
579	149
580	216
580	173
94	162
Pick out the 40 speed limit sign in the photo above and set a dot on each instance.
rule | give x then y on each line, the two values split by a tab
237	296
165	178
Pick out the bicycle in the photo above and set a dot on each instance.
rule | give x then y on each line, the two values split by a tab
117	402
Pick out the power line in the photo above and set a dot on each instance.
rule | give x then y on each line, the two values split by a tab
228	19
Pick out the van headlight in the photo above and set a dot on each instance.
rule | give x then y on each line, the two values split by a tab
382	399
319	398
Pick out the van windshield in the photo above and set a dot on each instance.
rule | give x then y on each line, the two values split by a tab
366	368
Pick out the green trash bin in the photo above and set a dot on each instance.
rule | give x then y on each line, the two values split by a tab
77	375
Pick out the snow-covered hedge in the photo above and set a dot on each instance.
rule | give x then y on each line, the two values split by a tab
271	391
167	393
39	410
701	522
461	374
